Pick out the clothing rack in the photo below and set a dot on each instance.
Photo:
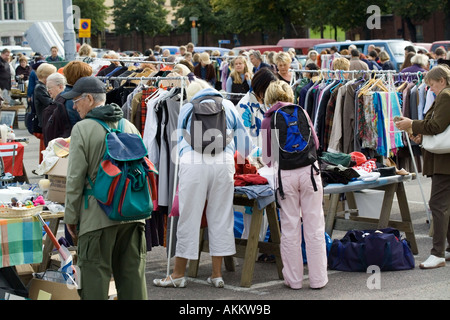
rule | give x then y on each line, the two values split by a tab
182	78
388	73
143	78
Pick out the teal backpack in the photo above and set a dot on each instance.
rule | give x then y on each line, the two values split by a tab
123	185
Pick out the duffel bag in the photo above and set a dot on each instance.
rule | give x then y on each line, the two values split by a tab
359	249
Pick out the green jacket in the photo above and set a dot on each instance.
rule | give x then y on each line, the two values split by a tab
87	146
433	124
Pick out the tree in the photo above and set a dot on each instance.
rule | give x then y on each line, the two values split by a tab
414	11
346	14
208	21
261	15
94	10
146	17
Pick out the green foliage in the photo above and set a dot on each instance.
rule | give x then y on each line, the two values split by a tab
144	16
202	9
415	10
94	10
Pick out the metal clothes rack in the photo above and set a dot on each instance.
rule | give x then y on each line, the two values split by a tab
389	73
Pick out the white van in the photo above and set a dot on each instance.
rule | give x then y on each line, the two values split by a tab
395	48
18	49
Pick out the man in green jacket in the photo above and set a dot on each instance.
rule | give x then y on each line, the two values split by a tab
105	247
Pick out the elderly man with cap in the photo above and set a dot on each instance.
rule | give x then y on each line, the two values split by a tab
256	60
105	247
205	70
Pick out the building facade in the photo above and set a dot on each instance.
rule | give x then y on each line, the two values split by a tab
16	16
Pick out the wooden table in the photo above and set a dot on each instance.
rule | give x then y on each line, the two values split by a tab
54	220
391	186
248	248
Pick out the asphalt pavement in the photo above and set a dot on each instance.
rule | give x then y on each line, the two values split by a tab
415	284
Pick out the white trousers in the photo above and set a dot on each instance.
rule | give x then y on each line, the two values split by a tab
205	178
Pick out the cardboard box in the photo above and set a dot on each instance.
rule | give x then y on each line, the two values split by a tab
58	291
57	176
25	273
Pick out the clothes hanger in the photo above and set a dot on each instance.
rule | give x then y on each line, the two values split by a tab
341	77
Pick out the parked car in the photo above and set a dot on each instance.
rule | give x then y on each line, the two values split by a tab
426	47
261	48
445	44
173	49
223	51
301	45
395	48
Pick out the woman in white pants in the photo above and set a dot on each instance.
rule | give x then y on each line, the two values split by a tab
210	178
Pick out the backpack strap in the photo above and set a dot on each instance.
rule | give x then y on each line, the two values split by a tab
280	183
89	192
120	126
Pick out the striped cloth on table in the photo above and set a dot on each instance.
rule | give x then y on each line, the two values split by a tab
20	241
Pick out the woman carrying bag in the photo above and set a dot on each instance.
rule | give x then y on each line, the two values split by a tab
436	120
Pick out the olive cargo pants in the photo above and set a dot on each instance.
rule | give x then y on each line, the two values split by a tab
119	251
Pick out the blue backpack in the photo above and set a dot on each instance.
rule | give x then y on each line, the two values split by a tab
123	185
359	249
295	140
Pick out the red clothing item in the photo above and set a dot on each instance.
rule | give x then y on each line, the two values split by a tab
241	180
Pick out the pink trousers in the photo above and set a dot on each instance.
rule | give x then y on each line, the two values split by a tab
302	203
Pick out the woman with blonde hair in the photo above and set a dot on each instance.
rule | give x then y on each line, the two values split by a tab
85	51
283	61
239	80
41	100
300	203
436	120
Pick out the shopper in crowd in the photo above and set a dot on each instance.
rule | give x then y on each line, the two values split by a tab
106	248
300	197
23	70
73	71
386	63
5	73
41	100
205	70
239	81
251	108
372	60
190	48
283	61
295	64
436	120
56	83
409	49
440	53
205	177
407	62
312	57
419	62
85	53
257	61
54	57
355	62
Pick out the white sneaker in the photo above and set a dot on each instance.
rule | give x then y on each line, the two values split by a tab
447	256
432	262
